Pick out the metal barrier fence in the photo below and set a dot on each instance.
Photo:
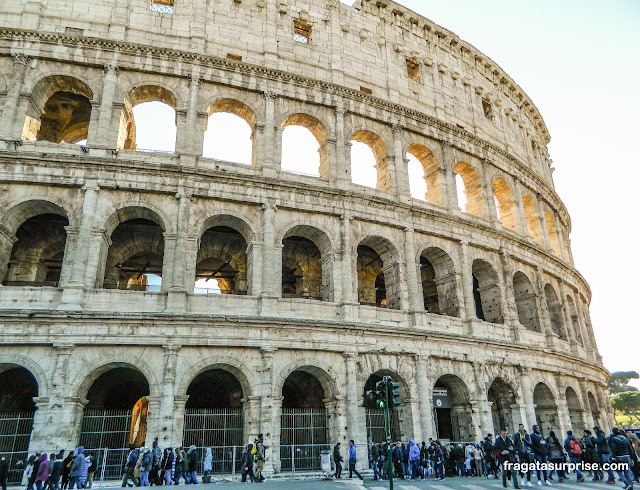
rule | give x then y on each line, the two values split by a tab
15	434
305	457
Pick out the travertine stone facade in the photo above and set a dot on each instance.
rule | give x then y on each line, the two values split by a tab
374	72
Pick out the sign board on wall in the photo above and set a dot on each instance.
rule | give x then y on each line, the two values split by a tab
441	398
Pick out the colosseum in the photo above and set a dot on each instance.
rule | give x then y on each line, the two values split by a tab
319	285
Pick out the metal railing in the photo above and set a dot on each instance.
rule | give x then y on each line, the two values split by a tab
37	284
15	434
149	288
303	457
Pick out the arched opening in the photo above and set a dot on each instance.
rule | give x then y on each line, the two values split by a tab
452	409
575	411
135	257
375	417
425	181
505	204
533	220
18	388
555	312
36	256
59	110
472	188
378	275
439	287
214	415
304	421
305	271
575	323
116	414
502	399
230	132
369	161
486	292
526	303
553	236
222	264
593	407
305	148
148	120
546	409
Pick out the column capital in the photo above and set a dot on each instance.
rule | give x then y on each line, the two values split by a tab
41	401
340	112
111	68
90	185
396	128
350	355
64	348
269	95
268	351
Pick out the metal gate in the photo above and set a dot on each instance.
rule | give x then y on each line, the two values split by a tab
15	434
105	428
376	430
213	427
303	435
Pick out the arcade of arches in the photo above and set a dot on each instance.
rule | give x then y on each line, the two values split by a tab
305	411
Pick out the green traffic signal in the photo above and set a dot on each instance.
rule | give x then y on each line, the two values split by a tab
393	394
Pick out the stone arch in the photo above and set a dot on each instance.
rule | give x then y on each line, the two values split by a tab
319	131
575	322
235	367
82	382
453	413
533	220
551	231
431	172
378	272
381	154
503	400
439	282
230	220
472	188
136	211
546	408
34	251
487	292
574	405
526	302
59	109
322	373
555	312
593	408
140	93
506	204
10	360
241	109
307	267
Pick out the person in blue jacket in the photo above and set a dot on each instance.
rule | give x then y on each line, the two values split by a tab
353	459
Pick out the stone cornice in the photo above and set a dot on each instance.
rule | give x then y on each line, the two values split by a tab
449	131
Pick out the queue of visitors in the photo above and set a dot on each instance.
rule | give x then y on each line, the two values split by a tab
146	466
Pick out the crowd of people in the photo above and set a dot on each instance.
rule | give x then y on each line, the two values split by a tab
492	458
146	466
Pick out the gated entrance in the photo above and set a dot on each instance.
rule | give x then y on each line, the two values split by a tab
116	414
214	417
304	423
376	430
18	387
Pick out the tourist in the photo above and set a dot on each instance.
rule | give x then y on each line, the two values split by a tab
396	460
168	465
522	444
604	452
207	465
130	466
374	458
490	456
414	461
337	459
32	470
591	455
622	452
259	456
477	460
574	450
555	455
77	468
457	454
66	469
192	459
53	483
156	453
179	465
353	459
146	463
247	462
635	443
90	466
43	471
540	453
506	454
4	472
437	460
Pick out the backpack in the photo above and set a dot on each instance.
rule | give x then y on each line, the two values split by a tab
254	450
576	449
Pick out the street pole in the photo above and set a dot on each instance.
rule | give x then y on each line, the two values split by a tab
387	423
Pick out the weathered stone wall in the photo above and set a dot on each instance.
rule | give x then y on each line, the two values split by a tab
464	111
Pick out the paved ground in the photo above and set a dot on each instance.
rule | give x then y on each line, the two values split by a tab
430	484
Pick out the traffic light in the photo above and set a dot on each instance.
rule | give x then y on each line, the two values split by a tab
379	395
392	394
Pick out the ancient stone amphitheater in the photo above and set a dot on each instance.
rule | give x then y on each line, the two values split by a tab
315	286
